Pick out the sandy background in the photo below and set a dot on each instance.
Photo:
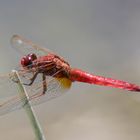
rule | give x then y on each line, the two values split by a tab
99	36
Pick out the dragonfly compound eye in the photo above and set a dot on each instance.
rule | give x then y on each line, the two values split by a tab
26	61
32	56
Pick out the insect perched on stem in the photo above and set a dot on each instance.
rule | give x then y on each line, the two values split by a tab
46	75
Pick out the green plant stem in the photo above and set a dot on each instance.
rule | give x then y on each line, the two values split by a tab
28	108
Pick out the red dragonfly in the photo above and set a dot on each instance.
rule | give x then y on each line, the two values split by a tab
46	75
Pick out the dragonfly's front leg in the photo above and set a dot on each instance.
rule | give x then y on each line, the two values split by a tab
31	79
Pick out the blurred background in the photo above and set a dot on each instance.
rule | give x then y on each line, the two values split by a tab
99	36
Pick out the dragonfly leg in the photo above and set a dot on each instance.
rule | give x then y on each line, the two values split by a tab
44	88
44	83
31	80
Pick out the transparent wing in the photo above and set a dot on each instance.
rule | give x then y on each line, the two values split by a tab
24	46
8	83
55	88
7	86
11	104
8	94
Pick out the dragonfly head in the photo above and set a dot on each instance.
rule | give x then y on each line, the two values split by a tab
27	60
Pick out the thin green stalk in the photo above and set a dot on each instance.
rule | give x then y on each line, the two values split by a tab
28	108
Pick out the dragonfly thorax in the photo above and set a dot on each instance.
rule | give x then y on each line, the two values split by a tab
52	65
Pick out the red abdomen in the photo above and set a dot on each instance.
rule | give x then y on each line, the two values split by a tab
81	76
